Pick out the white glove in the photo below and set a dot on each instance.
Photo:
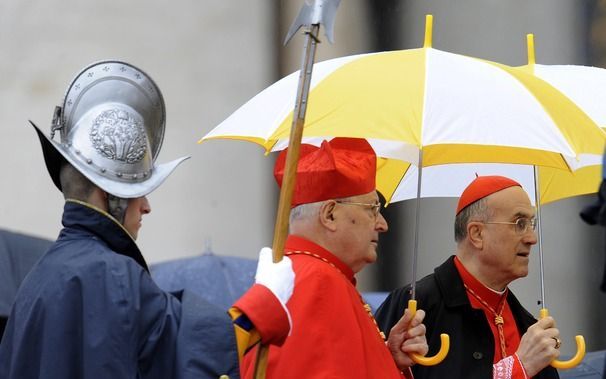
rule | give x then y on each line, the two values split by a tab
279	277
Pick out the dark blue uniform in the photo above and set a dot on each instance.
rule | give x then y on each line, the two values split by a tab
89	309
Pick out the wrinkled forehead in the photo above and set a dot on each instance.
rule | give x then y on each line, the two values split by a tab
370	197
511	202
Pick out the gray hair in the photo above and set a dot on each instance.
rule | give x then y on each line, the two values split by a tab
476	211
74	185
305	212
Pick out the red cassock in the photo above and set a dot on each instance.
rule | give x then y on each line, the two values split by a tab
333	334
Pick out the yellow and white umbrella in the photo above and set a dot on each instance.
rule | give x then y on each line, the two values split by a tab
452	108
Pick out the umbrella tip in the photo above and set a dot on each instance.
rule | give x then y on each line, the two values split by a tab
428	31
530	47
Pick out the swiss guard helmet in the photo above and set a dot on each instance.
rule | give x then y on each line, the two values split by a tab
111	127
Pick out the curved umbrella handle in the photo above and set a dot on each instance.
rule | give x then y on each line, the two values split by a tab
444	347
577	358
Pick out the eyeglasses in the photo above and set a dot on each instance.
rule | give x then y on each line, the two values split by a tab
375	207
521	225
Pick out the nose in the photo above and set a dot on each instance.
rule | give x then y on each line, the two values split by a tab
145	207
530	237
381	224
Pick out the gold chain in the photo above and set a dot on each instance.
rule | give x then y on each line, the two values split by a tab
498	318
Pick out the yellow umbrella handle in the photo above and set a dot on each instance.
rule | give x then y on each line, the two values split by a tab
577	358
444	347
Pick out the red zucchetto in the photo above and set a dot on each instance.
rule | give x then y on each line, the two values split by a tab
340	168
483	186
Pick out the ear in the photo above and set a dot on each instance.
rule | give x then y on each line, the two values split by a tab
327	215
98	198
475	234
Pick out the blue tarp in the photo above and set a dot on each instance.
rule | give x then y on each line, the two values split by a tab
592	367
18	253
218	279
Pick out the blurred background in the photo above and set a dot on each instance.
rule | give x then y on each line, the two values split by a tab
209	57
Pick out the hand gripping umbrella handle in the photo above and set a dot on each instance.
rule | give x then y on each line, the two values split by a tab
577	358
444	347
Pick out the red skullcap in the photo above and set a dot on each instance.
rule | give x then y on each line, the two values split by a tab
340	168
483	186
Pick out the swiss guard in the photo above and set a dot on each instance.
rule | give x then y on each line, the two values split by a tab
89	308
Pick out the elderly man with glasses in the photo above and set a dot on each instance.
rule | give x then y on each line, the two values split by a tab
468	296
335	224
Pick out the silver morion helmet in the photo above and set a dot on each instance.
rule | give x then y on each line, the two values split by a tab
111	127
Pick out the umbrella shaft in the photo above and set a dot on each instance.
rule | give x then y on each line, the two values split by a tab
415	253
537	200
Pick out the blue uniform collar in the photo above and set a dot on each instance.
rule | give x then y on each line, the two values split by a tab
82	216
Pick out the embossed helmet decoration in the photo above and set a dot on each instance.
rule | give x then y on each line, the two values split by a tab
111	128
